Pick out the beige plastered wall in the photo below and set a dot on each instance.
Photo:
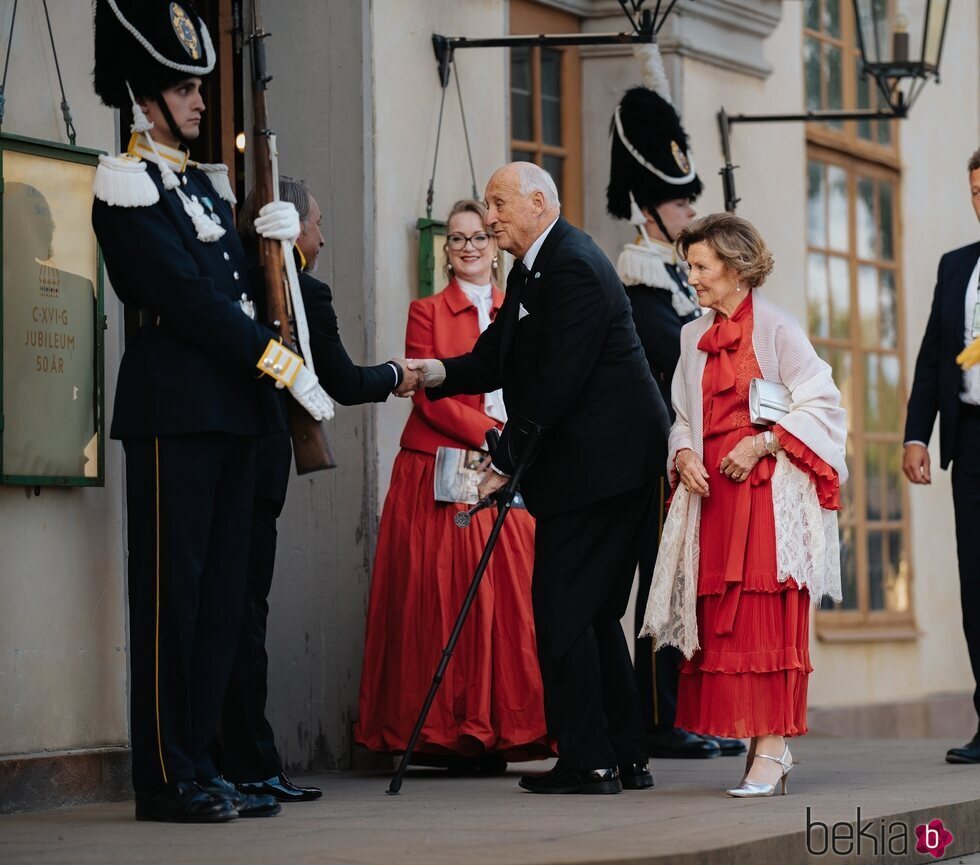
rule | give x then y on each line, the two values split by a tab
406	110
62	571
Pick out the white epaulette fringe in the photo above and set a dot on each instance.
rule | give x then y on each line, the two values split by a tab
217	173
122	181
641	265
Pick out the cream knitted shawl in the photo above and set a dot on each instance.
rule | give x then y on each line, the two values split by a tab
807	546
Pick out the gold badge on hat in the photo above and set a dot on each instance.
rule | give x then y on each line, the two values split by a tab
185	30
680	157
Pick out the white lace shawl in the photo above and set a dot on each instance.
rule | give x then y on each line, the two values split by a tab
807	546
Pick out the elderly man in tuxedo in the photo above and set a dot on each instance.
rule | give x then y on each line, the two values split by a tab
579	391
941	387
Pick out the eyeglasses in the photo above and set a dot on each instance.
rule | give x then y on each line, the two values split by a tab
457	242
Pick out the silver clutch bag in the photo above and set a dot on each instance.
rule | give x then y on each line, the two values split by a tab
769	401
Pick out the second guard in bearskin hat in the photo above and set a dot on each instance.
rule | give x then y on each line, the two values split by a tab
653	183
194	391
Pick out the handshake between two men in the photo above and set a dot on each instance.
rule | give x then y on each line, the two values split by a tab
418	374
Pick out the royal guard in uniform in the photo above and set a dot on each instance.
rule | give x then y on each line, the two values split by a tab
653	183
195	390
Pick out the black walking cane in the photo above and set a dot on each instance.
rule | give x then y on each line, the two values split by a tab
504	499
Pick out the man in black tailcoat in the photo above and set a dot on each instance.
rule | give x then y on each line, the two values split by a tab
574	377
941	387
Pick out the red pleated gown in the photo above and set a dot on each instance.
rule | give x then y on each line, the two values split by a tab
749	678
491	699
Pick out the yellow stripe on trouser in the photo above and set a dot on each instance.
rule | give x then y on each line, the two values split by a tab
156	641
653	643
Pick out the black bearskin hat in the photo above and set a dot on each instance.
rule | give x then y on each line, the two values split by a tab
646	129
152	44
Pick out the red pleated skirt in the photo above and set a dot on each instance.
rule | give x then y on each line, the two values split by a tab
749	678
491	698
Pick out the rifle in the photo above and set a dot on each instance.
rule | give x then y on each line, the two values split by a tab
311	450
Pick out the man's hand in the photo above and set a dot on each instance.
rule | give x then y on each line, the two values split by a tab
740	460
692	472
411	378
915	464
492	481
432	371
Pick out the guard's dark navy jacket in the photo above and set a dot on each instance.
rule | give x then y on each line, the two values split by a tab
659	327
195	370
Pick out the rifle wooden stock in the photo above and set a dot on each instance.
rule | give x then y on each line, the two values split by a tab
311	451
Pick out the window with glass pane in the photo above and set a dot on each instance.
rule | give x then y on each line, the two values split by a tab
537	119
853	303
833	77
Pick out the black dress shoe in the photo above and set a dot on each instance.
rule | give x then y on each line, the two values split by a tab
246	804
182	802
635	776
281	788
561	780
728	747
969	753
673	742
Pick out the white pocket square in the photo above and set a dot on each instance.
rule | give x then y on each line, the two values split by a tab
521	312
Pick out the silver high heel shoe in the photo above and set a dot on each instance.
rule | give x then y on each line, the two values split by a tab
755	789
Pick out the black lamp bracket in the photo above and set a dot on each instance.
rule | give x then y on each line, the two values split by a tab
646	24
897	111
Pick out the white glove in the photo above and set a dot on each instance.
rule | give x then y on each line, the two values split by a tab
307	392
278	220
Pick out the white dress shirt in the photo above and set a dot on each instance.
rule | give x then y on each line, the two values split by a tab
481	296
535	248
971	377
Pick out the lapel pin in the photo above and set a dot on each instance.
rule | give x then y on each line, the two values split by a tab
537	275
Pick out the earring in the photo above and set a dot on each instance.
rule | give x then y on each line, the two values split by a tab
493	265
738	286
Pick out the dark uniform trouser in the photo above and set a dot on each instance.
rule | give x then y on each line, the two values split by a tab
584	563
247	749
966	506
189	504
657	672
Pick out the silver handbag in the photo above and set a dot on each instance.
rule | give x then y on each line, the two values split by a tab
769	401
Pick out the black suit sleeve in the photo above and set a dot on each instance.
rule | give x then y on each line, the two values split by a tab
574	315
346	382
150	268
923	403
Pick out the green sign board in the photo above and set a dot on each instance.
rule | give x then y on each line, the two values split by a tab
51	306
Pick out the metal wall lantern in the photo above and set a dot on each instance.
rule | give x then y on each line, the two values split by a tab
901	50
901	44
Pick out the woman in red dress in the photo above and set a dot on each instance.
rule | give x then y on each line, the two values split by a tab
757	490
490	706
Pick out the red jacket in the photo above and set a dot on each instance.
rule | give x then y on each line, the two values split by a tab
445	325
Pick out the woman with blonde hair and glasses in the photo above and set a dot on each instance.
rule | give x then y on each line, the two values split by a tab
756	459
490	707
